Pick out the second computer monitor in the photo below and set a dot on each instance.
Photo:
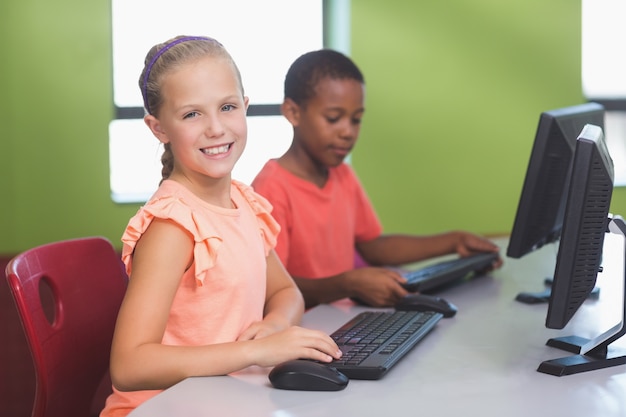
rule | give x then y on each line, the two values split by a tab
539	217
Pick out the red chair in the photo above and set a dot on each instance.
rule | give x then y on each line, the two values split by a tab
82	281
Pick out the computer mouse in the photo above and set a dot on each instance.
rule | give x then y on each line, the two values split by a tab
424	302
306	375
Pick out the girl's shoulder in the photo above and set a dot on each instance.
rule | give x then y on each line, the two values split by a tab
258	203
170	201
175	203
262	209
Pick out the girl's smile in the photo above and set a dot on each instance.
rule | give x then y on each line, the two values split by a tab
219	150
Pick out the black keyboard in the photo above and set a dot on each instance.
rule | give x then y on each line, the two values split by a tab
373	341
445	272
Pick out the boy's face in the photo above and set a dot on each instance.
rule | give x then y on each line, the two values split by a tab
327	126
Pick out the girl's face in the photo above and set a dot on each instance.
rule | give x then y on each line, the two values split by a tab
203	118
329	123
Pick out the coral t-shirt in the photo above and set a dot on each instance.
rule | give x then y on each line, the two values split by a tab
223	292
319	226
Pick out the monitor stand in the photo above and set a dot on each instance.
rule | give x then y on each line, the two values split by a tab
544	296
596	353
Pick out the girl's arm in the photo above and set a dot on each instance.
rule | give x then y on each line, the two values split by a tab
284	304
138	359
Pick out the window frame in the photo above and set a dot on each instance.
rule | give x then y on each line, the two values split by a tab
335	25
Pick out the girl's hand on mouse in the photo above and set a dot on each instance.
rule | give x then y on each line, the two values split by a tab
294	343
377	287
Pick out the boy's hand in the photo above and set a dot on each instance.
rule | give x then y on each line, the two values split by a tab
377	287
470	244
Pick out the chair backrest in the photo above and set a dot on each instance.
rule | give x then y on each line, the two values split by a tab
70	343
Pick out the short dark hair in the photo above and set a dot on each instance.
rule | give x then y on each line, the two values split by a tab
309	69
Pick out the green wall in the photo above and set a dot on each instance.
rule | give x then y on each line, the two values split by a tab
57	103
454	92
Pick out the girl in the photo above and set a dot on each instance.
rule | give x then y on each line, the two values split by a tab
207	295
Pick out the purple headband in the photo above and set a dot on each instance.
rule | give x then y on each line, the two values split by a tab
156	56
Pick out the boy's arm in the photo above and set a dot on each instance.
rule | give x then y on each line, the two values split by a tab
323	290
399	249
378	287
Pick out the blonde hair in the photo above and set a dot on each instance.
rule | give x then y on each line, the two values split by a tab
165	57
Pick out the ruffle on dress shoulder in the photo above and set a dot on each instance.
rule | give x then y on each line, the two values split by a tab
207	242
262	209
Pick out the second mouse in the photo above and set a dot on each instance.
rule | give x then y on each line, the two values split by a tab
423	302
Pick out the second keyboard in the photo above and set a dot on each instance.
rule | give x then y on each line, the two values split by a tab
439	274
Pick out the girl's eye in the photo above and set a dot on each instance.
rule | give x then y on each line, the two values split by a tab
190	115
332	119
228	107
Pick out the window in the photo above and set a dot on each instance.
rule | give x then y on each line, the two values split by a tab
604	71
263	37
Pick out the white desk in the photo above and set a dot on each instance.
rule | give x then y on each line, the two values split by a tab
481	363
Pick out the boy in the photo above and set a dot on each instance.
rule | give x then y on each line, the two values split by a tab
323	210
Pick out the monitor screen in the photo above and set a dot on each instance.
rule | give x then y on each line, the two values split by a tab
579	258
541	205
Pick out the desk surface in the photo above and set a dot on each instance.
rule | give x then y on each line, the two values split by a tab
482	362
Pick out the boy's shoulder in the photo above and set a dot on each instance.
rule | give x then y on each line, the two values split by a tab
271	177
270	170
274	178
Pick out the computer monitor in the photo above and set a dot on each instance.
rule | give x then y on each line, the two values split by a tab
579	258
539	216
